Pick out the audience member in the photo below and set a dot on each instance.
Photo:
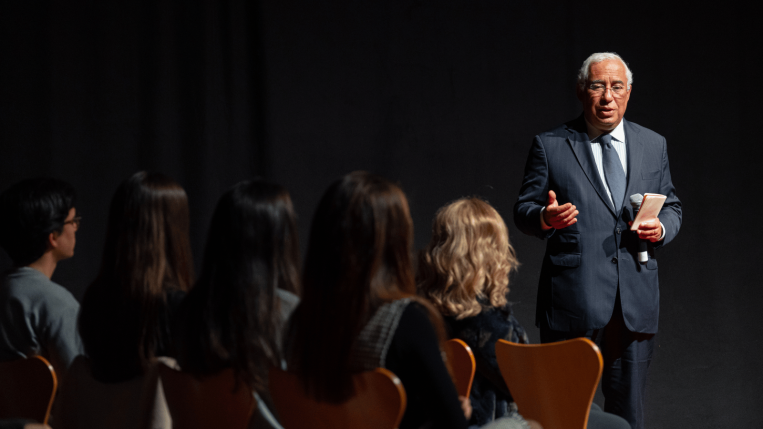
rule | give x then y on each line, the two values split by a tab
247	289
464	272
38	222
359	307
127	311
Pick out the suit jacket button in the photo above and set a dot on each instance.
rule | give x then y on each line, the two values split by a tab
614	260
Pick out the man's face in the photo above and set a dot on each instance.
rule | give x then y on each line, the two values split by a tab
604	110
67	238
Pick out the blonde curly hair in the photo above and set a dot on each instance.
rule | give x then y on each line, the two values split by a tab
468	260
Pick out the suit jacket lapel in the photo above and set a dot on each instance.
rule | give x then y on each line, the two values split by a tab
635	151
581	146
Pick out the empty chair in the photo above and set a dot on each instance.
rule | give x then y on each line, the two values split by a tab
218	400
552	383
378	403
462	364
28	388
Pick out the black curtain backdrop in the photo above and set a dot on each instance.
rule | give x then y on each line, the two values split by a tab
443	97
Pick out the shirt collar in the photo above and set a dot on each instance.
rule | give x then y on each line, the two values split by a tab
618	133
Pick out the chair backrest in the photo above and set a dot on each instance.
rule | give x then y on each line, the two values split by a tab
27	389
552	383
83	401
207	402
462	364
379	403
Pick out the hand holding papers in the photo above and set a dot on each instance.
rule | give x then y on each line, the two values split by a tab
650	209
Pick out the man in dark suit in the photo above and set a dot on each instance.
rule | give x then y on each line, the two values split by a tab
575	193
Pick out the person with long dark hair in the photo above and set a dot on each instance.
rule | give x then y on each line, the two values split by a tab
359	308
246	291
126	317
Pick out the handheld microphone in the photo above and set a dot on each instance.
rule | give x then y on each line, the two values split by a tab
643	256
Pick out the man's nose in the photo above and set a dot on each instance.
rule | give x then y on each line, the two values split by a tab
608	95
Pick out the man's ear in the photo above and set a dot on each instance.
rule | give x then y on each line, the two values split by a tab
53	240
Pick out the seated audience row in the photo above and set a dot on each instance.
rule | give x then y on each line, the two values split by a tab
359	307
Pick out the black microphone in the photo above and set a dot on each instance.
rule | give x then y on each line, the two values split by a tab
643	256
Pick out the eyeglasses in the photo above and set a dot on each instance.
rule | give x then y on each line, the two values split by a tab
75	221
618	89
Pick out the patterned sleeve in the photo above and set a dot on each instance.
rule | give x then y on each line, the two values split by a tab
517	333
495	325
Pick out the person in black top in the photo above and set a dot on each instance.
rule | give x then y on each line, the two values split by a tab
146	270
359	307
464	272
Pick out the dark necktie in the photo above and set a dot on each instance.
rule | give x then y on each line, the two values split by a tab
613	171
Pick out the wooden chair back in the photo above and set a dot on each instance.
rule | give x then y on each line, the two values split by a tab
27	389
462	364
207	402
552	383
379	403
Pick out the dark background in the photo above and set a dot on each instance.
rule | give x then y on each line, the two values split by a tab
441	96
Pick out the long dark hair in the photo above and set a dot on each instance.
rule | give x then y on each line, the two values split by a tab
358	257
147	253
232	317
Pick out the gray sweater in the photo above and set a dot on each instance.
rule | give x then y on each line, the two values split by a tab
38	317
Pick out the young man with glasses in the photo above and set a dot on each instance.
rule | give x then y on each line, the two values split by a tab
575	193
38	225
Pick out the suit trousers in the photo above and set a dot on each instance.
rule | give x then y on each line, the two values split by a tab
627	356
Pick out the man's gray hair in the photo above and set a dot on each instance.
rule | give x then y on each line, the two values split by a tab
598	57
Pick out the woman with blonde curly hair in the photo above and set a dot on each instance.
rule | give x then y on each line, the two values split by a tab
464	272
469	257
